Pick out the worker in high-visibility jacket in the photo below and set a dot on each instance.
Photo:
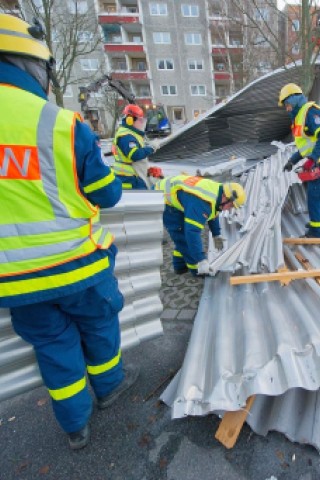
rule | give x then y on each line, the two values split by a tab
305	118
130	152
190	202
56	260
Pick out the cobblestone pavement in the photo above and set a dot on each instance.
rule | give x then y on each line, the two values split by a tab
136	439
180	294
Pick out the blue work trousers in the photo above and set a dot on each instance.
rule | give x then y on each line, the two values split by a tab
132	183
173	220
72	334
313	195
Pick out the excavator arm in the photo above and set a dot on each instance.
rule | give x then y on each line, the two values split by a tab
116	85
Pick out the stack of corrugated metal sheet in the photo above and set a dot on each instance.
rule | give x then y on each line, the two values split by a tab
137	224
257	339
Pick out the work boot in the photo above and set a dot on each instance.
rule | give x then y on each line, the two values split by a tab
79	439
131	373
181	271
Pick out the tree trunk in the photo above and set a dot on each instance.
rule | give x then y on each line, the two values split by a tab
59	97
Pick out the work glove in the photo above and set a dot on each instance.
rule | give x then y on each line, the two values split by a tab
203	267
149	150
155	144
218	242
308	164
155	172
288	166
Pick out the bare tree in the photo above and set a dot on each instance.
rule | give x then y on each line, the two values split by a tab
301	19
70	34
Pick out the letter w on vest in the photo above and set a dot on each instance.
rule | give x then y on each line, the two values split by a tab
18	162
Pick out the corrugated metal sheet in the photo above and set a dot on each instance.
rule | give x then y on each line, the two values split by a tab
245	125
258	339
137	224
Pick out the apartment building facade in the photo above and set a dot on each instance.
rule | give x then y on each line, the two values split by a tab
186	55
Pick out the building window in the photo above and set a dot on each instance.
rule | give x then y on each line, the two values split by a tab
194	64
220	67
165	64
68	92
169	89
296	49
197	112
77	6
136	39
261	14
89	64
158	9
161	37
84	37
221	91
143	91
261	41
295	25
198	90
192	39
190	10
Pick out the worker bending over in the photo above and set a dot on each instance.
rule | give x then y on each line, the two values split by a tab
130	152
56	259
190	202
305	118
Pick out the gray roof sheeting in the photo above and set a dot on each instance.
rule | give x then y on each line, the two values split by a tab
258	339
137	224
244	126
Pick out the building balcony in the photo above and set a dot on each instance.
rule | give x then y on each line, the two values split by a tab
218	50
123	47
129	75
224	76
118	18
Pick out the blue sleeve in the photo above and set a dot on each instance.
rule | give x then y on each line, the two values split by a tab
295	157
196	213
214	226
96	180
129	145
313	124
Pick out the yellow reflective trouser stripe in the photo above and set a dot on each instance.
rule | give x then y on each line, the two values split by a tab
53	281
69	391
99	183
193	222
314	224
175	253
192	267
104	367
126	186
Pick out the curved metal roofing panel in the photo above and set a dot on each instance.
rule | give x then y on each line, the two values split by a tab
250	118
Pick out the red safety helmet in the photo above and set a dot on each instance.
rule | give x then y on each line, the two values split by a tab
133	110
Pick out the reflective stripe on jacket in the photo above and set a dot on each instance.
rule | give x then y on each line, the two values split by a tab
203	188
304	143
45	220
123	165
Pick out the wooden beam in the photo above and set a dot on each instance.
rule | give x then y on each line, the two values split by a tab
232	423
284	269
301	241
306	264
273	277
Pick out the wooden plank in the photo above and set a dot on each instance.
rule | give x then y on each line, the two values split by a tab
306	264
301	241
231	425
284	269
273	277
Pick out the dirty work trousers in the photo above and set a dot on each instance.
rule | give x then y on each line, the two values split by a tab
75	338
313	195
173	220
